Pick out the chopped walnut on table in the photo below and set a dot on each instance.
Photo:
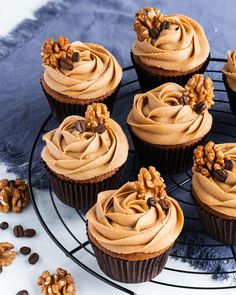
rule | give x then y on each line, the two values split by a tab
60	283
14	195
6	254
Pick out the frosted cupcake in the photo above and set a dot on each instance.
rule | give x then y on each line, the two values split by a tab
168	48
132	229
84	156
229	78
214	189
168	122
77	74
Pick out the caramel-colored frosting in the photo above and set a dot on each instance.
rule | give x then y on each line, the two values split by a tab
220	196
158	117
82	156
123	223
229	69
96	74
182	47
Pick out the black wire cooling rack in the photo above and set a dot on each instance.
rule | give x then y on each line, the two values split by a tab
192	246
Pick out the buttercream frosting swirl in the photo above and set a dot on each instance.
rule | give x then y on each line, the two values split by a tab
158	117
182	47
219	196
82	156
229	69
121	222
96	74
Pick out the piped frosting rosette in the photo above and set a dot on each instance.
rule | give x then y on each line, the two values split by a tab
170	42
137	218
84	148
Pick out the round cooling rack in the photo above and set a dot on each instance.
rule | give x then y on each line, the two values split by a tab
68	230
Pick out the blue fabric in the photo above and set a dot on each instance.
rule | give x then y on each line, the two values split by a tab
24	108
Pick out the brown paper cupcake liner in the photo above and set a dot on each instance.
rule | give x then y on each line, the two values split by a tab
222	230
81	195
166	160
60	110
128	271
150	81
231	96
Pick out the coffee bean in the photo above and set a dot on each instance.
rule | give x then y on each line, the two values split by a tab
154	33
75	56
164	203
4	225
200	107
151	202
66	63
1	269
22	292
18	231
220	175
100	128
25	250
229	164
29	233
165	25
34	257
80	126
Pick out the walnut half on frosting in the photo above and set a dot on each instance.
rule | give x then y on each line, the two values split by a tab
199	93
209	160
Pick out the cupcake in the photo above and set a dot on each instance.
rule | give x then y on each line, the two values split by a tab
229	78
214	189
78	74
168	122
132	229
85	155
168	48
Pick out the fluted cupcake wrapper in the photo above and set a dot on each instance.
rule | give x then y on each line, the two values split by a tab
60	110
222	230
81	195
167	160
128	271
150	81
231	96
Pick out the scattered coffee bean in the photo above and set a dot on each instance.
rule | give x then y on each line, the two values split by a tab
18	231
33	259
66	63
25	250
4	225
75	56
151	202
29	233
100	128
22	292
220	175
229	164
0	269
154	33
164	203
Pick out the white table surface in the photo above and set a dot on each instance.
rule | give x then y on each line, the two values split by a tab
21	275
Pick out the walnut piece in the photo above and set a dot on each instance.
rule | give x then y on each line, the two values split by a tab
60	283
150	184
97	114
6	255
149	22
199	93
55	54
211	161
14	195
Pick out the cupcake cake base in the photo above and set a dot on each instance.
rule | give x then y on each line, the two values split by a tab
151	79
218	226
63	106
128	270
82	194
